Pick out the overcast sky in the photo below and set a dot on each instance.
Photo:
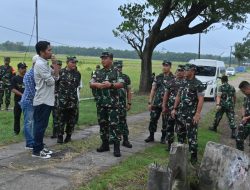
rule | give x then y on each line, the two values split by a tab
89	24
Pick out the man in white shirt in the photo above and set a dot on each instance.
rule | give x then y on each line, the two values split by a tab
44	97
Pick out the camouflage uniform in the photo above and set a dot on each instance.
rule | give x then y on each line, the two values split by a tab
188	94
172	89
107	103
68	100
227	93
6	74
160	82
244	128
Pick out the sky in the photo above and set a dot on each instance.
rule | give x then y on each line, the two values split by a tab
90	23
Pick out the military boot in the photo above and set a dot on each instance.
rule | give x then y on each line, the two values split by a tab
169	146
233	135
60	139
104	147
67	139
163	137
54	133
125	142
150	138
193	158
117	152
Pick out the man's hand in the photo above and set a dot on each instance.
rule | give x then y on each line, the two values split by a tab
218	107
173	113
196	118
128	107
149	107
106	84
164	109
244	120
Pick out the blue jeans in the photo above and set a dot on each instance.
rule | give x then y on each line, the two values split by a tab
28	123
41	120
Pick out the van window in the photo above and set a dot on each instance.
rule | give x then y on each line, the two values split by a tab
222	71
206	71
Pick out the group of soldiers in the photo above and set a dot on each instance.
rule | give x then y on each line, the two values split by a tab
178	99
65	111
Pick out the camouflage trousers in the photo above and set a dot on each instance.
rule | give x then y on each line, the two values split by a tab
243	133
123	122
230	115
154	117
55	114
67	117
187	130
5	90
108	119
170	127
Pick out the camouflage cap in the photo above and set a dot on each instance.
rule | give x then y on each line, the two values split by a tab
72	59
59	62
189	66
106	54
118	63
167	63
6	58
21	65
180	68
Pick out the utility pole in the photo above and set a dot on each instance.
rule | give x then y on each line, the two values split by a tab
199	47
36	21
230	56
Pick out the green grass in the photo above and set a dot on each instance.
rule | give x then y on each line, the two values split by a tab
87	117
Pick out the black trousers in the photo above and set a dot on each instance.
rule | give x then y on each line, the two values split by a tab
17	117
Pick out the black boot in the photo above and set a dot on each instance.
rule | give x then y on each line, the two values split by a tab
213	129
125	142
117	152
150	138
60	139
233	135
67	139
163	137
54	133
104	147
193	158
169	146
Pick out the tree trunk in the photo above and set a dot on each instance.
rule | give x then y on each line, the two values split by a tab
146	70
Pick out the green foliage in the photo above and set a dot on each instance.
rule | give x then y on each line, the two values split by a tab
242	50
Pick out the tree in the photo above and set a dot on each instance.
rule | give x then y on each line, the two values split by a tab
152	22
242	50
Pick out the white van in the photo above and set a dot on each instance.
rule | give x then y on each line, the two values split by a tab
208	72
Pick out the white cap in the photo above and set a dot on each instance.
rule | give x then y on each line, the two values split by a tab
34	58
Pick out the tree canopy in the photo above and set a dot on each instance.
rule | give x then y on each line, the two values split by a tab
152	22
242	50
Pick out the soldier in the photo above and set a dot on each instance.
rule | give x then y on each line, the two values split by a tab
168	103
6	74
67	99
155	101
125	103
244	127
106	81
55	114
17	87
189	102
225	102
